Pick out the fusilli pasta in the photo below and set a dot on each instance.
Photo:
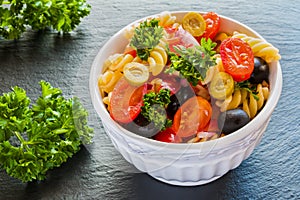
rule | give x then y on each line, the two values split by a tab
242	98
117	61
106	100
108	80
233	101
260	47
251	106
213	70
157	60
166	19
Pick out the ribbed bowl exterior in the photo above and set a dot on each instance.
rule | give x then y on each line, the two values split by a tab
186	168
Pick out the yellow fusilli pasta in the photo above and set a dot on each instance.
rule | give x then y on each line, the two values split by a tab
106	100
166	19
114	67
242	98
213	70
260	47
233	101
117	61
157	60
108	80
251	106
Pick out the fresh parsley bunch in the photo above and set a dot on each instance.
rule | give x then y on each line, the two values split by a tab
37	138
154	108
146	37
193	62
61	15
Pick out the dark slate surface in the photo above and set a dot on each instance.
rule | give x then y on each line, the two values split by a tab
98	171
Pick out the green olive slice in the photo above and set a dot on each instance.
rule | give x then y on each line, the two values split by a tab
221	86
136	73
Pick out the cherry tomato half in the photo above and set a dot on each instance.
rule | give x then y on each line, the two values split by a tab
237	58
168	135
212	25
126	101
192	116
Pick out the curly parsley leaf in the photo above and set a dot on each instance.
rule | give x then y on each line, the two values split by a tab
61	15
146	37
193	62
36	139
154	108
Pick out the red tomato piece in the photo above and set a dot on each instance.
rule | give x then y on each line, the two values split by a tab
237	58
192	116
167	135
126	101
130	50
212	25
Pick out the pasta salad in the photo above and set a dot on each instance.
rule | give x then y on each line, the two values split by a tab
186	81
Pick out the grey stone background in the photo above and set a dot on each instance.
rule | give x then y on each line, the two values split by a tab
98	171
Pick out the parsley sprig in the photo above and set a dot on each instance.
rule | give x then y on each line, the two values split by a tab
36	139
154	108
193	62
61	15
146	37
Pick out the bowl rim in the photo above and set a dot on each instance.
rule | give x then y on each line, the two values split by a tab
222	142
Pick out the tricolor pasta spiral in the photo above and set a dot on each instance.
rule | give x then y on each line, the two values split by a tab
260	47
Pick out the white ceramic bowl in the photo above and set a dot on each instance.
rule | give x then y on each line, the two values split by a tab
185	164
